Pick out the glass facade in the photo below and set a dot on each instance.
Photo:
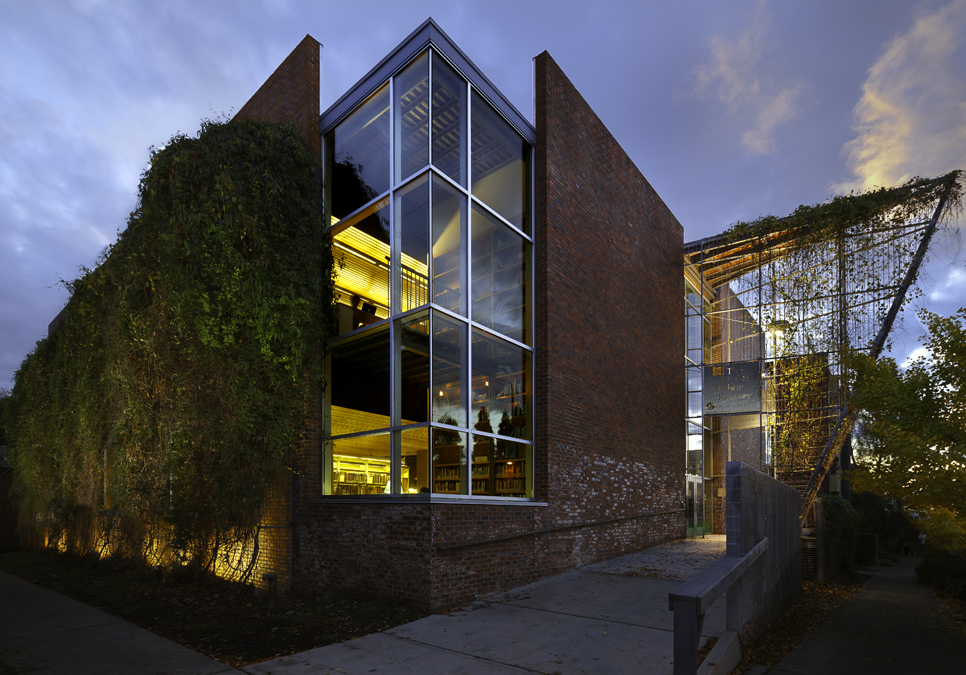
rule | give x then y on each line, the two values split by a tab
429	383
697	354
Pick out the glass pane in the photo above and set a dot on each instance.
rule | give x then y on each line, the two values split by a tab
358	383
412	218
501	371
499	274
695	380
449	254
362	275
694	404
449	370
412	118
412	395
360	161
449	121
360	465
449	461
499	164
501	468
414	474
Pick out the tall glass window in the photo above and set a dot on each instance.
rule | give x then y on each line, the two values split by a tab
429	384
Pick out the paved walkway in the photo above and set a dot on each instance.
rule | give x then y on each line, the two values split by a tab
611	617
45	632
892	625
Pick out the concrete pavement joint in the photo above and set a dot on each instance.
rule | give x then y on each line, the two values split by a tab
583	616
456	651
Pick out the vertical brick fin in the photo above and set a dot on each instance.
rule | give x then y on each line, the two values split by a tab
610	320
291	94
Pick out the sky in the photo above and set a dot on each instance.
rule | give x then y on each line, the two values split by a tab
730	110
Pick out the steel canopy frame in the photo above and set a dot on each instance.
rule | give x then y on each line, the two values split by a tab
842	312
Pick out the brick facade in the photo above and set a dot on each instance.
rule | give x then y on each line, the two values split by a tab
291	94
609	389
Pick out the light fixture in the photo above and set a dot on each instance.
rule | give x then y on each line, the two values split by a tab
778	328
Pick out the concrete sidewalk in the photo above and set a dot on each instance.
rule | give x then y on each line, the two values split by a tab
611	617
44	632
891	625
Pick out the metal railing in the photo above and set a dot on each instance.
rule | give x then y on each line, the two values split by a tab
692	599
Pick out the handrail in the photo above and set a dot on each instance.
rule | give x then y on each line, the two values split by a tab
692	599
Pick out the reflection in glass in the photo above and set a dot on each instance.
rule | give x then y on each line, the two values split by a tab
499	166
449	461
358	383
362	278
499	273
360	465
412	221
449	369
415	469
449	121
501	371
412	394
449	253
412	118
360	155
500	468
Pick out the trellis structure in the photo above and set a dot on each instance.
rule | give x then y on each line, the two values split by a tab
799	295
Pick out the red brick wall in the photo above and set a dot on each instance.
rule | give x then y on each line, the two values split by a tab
291	94
610	326
609	387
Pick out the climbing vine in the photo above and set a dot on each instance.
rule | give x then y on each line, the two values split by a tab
154	419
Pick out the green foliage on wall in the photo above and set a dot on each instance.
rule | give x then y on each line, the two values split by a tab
877	208
174	391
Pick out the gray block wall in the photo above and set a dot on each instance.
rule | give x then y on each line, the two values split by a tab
759	506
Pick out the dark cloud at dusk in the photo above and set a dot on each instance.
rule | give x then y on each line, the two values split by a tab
730	110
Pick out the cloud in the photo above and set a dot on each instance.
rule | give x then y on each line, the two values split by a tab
951	288
733	75
911	118
915	355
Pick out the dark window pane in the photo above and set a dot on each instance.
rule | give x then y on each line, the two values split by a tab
449	121
499	164
499	274
412	118
415	473
412	394
449	369
449	250
412	218
501	402
358	383
360	156
449	461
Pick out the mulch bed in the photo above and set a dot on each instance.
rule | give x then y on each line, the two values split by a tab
220	619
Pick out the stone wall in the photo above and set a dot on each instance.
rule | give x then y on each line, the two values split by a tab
760	506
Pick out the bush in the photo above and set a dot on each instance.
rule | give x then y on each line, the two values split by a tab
841	532
946	573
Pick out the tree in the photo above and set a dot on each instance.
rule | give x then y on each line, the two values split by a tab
913	442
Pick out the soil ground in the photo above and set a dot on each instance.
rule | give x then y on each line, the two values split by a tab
220	619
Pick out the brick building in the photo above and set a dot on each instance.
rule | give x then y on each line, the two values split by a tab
504	399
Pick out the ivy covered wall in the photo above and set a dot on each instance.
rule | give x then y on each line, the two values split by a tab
153	420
